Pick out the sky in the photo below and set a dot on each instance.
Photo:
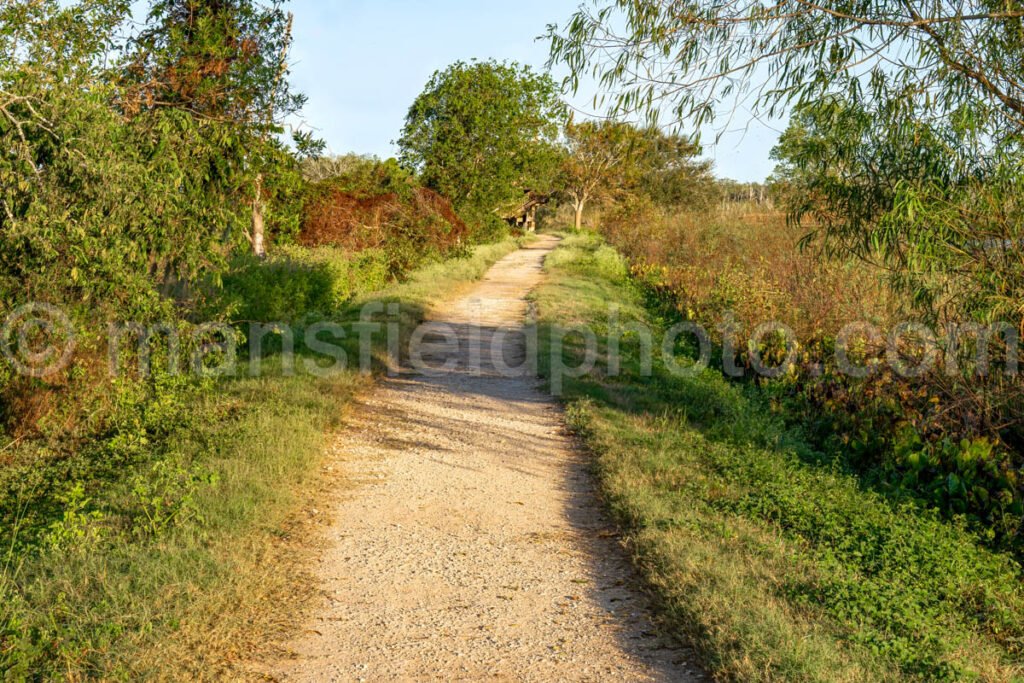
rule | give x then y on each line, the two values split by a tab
363	62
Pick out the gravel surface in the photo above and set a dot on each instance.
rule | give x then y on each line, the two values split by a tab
474	547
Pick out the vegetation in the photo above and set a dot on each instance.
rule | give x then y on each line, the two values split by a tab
367	204
820	470
615	162
483	134
814	525
156	548
777	565
919	215
148	516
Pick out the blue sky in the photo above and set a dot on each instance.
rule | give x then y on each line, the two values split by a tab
363	62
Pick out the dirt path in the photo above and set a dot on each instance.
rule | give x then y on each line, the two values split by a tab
475	548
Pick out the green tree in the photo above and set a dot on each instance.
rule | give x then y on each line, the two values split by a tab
596	162
118	191
918	111
948	231
670	172
482	133
223	62
74	224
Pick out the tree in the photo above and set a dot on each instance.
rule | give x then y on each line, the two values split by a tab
483	133
948	233
595	161
611	159
122	180
936	57
918	108
670	173
73	222
223	62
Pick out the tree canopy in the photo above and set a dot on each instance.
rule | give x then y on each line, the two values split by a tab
482	133
608	160
935	58
915	112
133	155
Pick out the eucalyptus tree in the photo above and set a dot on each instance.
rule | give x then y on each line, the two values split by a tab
917	107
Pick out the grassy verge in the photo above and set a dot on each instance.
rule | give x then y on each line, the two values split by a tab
776	567
184	555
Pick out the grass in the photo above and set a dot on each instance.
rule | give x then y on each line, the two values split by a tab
184	556
776	566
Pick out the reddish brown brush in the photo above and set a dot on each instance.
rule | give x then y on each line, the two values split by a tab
346	220
748	263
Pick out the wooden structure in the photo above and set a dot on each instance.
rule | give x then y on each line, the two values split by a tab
524	216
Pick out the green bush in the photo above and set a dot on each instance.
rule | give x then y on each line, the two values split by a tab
297	283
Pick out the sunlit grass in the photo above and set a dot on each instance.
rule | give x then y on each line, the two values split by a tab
775	566
190	559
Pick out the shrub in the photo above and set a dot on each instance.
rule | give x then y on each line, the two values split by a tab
949	441
296	283
378	205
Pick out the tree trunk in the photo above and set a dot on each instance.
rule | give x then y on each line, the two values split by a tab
259	248
579	214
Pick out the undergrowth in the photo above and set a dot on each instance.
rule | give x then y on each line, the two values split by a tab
168	541
774	562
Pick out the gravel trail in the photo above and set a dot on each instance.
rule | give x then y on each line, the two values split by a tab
474	547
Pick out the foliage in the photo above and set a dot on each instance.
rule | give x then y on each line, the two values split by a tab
775	564
931	204
613	161
378	205
925	60
932	439
296	283
219	60
76	169
932	193
482	134
170	543
224	63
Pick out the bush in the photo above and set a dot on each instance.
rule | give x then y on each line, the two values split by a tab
378	205
940	440
296	283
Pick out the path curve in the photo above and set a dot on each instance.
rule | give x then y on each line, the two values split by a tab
476	548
